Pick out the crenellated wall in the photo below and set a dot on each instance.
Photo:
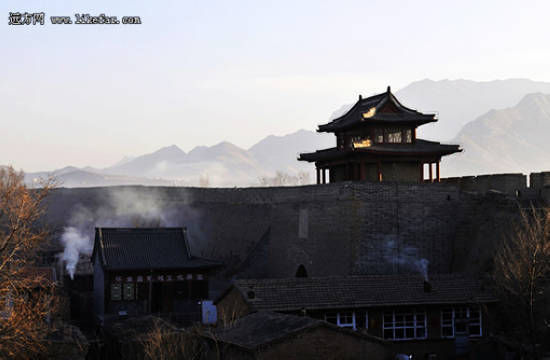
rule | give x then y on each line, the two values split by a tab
506	183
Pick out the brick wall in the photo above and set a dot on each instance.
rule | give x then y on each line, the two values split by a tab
506	183
331	229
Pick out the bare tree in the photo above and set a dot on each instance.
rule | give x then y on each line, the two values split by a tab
26	294
164	342
522	268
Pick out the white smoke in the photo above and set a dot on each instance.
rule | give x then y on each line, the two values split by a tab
123	207
75	243
406	257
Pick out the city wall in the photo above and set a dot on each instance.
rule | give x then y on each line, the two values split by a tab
332	229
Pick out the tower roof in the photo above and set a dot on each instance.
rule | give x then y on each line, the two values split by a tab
421	148
383	108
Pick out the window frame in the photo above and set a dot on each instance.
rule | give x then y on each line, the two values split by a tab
338	316
416	324
119	285
407	136
393	132
129	288
452	325
351	324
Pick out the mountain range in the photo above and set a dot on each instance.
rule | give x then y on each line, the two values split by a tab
515	139
501	125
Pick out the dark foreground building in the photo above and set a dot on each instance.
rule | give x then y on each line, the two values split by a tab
441	318
376	141
268	335
142	271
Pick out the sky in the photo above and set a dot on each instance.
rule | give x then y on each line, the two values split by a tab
201	72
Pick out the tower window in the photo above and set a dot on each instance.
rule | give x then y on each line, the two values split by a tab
392	135
408	135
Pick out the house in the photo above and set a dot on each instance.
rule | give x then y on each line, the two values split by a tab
269	335
443	317
139	271
376	141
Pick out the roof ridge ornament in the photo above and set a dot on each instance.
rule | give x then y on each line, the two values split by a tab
389	89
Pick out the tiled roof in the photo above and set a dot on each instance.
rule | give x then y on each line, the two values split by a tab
355	115
262	328
359	291
145	248
418	148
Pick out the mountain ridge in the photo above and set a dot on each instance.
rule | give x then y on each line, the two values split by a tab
511	115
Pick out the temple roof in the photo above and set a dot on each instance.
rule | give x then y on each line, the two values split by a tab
418	148
146	248
380	109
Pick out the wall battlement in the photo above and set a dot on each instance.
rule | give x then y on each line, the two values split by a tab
506	183
513	184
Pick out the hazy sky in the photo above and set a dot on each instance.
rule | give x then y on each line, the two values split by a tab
200	72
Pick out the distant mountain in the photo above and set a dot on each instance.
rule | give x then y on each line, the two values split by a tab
510	139
515	139
225	164
458	102
150	165
279	153
74	177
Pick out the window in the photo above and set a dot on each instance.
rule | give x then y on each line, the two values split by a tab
401	325
362	319
408	135
129	292
346	319
361	142
447	323
343	319
116	292
392	135
461	321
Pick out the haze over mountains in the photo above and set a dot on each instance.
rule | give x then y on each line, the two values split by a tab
223	164
503	126
515	139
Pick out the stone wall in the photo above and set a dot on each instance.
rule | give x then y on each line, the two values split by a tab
539	180
506	183
332	229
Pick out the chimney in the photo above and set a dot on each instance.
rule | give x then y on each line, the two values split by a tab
427	286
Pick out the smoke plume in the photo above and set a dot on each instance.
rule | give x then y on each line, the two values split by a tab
75	243
123	207
406	258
